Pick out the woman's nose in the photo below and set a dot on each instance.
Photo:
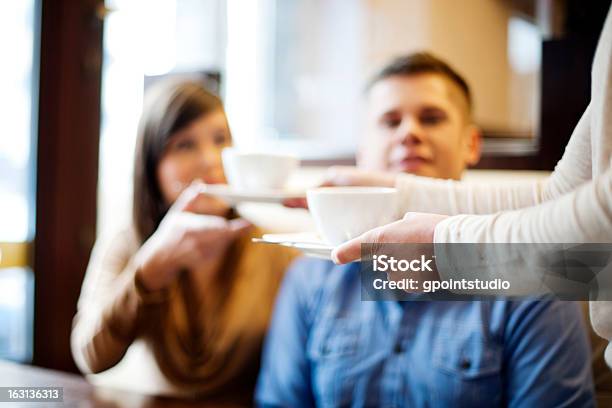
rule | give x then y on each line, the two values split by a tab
210	158
210	167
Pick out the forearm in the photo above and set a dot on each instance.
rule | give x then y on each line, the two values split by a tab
449	197
103	329
584	215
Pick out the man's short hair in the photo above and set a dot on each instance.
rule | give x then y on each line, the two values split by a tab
422	63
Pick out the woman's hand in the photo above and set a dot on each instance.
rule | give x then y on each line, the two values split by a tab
186	238
338	176
413	228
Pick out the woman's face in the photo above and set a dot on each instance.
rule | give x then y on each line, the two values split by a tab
193	153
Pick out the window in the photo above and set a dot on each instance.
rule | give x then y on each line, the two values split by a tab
294	75
18	36
173	36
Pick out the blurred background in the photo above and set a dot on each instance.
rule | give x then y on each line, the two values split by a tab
291	73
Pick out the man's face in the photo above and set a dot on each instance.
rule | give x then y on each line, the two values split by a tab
419	124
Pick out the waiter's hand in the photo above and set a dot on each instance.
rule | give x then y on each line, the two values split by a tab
413	228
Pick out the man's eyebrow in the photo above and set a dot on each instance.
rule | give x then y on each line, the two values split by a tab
433	107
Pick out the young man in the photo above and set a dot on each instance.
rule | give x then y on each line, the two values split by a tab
419	120
326	347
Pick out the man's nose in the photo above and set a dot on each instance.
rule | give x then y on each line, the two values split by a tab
410	132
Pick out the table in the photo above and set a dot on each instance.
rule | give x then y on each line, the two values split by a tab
79	393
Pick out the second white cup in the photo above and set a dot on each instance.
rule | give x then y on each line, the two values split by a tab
257	171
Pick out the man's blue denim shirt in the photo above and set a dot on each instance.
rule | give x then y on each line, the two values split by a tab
327	347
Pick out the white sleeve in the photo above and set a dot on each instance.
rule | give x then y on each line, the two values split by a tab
450	197
580	216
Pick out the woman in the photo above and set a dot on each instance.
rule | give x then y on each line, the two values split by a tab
182	298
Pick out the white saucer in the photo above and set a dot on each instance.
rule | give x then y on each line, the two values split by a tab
307	242
234	195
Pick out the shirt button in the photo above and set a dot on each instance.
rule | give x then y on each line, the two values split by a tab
465	364
399	348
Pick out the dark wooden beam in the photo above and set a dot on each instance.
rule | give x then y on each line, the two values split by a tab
67	169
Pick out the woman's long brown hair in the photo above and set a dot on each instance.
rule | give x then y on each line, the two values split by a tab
168	108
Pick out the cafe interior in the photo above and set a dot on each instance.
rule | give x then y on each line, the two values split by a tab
291	75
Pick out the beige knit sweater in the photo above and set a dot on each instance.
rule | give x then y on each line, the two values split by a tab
184	341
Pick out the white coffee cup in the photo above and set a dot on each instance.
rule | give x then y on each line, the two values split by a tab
257	171
343	213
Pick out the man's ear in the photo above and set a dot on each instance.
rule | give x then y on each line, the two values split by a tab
473	145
